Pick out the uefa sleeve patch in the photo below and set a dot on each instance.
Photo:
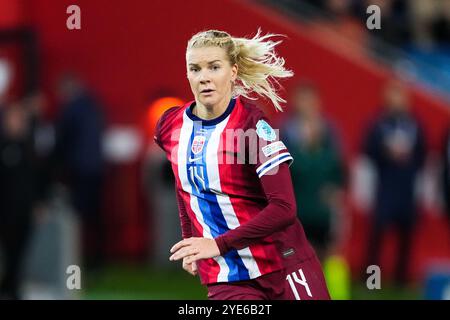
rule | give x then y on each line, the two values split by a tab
272	148
265	131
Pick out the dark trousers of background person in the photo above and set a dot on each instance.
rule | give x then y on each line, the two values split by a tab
447	212
15	231
86	196
319	235
403	229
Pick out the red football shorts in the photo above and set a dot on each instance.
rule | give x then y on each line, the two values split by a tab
304	281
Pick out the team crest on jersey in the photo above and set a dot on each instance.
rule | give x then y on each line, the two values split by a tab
265	131
198	143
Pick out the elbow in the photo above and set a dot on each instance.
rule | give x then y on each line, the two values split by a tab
293	213
290	213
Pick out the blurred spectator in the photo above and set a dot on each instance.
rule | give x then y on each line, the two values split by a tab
159	186
333	8
337	8
395	26
79	131
403	22
440	29
431	21
317	169
43	140
446	175
395	145
21	193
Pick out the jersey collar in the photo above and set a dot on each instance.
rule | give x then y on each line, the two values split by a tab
214	121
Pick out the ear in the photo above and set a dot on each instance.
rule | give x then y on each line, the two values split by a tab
234	72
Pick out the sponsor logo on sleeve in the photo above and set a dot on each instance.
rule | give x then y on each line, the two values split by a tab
272	148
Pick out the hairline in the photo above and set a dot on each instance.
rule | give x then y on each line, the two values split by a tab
227	58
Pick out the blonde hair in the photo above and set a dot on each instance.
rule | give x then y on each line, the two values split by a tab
259	68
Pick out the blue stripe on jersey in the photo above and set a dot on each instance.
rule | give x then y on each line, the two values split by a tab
273	161
207	201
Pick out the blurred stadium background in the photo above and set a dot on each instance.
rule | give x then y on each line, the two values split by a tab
102	195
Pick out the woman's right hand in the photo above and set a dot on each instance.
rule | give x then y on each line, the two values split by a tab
190	267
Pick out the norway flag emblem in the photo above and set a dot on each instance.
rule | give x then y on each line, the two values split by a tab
197	144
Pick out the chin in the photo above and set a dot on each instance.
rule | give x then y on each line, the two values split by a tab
209	102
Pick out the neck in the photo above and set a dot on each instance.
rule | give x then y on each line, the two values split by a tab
211	112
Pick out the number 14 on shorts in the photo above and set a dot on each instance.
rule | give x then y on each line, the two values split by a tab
298	277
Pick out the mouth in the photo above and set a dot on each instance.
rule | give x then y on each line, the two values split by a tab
206	91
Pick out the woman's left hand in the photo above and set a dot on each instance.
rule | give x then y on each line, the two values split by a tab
194	249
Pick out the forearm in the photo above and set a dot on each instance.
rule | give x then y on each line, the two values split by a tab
278	214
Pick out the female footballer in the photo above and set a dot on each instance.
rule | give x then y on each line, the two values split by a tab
235	196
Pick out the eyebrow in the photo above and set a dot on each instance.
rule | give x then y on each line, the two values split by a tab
210	62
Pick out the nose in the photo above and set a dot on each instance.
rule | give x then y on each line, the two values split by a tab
203	78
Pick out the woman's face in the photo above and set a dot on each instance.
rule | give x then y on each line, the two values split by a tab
210	75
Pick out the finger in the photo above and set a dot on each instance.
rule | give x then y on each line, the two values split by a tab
178	245
187	267
182	243
190	267
192	258
183	252
192	271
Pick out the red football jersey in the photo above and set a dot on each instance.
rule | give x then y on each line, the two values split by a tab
217	166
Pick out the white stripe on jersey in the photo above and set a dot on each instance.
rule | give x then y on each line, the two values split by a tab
212	168
272	163
183	143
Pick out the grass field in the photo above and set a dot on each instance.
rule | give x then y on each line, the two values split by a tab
138	282
128	282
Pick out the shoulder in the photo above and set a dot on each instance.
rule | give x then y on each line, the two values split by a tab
165	123
168	114
168	117
251	109
253	115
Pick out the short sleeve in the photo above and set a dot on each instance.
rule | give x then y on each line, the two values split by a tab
270	151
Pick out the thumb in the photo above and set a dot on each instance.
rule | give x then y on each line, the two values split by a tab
194	266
